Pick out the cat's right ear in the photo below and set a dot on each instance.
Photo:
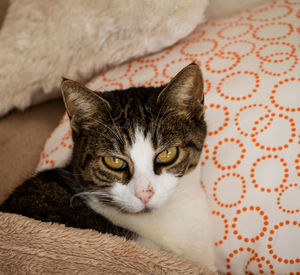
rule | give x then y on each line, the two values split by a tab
185	93
81	103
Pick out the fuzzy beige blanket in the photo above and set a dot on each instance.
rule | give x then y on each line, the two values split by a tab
28	246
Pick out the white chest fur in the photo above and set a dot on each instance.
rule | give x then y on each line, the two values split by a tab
182	225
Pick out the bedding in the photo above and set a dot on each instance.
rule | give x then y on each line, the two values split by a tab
41	41
251	159
250	162
32	247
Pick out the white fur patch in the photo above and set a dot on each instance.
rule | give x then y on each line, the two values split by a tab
142	155
181	225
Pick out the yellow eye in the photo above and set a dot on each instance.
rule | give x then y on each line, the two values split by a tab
167	155
114	163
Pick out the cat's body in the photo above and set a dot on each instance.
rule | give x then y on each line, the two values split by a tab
136	162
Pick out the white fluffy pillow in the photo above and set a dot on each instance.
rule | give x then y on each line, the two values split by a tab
251	160
41	41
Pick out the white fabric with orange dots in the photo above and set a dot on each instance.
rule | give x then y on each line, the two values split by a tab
251	159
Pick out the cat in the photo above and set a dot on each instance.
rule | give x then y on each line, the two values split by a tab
135	168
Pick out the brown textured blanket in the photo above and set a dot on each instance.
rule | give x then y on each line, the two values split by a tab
28	246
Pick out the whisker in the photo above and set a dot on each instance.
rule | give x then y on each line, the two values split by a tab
155	122
115	133
96	134
97	193
72	174
117	130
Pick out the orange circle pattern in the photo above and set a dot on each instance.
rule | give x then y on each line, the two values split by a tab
284	188
226	227
226	118
254	130
233	204
283	180
272	237
238	98
250	64
274	92
265	26
236	163
257	236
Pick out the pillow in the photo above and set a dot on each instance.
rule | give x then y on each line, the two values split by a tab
41	41
251	159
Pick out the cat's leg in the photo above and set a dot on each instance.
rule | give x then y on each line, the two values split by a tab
148	243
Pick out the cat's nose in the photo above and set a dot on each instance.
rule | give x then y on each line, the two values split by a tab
144	194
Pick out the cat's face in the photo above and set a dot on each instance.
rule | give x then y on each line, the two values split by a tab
131	147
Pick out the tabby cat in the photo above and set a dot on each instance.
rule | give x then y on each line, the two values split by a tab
134	170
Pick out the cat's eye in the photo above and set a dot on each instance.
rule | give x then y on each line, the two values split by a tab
167	156
114	163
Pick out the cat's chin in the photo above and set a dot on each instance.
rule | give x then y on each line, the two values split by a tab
144	210
141	209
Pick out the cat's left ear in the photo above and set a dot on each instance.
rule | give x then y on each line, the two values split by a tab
185	92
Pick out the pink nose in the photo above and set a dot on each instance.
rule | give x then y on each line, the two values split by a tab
144	195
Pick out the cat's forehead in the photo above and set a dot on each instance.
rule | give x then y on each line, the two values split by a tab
136	116
133	98
141	151
134	112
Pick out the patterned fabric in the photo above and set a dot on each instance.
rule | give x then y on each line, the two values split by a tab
251	159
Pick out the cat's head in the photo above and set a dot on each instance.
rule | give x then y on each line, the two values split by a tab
131	146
